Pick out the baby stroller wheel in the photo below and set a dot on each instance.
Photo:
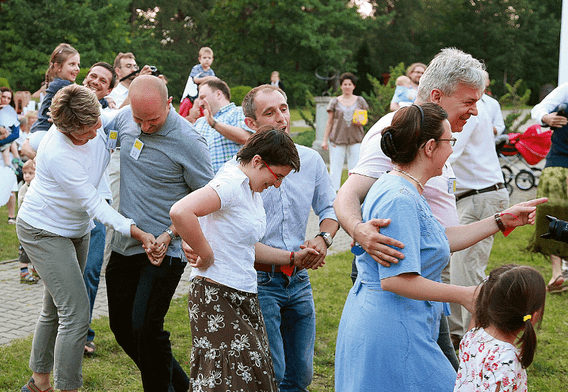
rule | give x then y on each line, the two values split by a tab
524	180
537	172
507	174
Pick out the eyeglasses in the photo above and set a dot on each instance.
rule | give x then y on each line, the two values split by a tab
131	66
278	178
452	141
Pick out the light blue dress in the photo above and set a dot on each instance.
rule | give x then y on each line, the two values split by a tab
387	342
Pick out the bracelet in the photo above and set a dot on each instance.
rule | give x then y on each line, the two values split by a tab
500	224
354	227
214	124
292	257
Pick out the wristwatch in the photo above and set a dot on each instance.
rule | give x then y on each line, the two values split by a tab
170	233
326	237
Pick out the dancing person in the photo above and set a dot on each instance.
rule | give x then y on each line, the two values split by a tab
344	131
162	159
286	297
389	328
223	223
509	305
62	71
53	226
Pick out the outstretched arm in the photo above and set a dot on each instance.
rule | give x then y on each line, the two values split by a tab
461	237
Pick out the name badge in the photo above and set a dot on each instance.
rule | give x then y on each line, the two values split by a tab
136	149
111	141
452	185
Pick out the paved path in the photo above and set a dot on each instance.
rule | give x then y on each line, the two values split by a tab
20	304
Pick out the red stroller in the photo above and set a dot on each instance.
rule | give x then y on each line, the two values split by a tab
526	149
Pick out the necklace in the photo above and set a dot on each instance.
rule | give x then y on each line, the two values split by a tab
411	177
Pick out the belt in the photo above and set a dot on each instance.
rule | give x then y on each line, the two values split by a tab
270	268
495	187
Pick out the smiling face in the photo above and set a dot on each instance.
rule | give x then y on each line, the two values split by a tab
69	69
5	98
271	110
98	80
460	106
265	176
85	134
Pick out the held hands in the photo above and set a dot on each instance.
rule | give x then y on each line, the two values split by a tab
195	260
308	258
522	213
157	255
367	234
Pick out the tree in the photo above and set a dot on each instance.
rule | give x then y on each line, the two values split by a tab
252	38
32	29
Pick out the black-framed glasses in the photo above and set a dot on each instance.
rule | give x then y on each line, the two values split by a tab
452	141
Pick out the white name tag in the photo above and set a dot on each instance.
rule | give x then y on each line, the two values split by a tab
136	149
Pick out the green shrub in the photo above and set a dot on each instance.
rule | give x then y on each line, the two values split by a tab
306	138
238	93
516	98
4	82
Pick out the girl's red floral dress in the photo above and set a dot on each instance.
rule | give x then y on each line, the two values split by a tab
486	361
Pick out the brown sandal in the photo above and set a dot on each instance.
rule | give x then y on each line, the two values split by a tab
31	387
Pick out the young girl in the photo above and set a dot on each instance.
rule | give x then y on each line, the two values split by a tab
493	356
63	70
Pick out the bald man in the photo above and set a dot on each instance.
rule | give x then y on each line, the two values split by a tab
162	159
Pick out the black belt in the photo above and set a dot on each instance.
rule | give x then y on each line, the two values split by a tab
495	187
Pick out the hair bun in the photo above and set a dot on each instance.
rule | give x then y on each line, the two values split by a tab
387	145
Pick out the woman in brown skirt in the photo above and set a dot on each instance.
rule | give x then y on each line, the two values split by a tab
222	223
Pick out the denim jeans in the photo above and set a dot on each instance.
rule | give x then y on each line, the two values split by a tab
139	296
92	273
289	314
444	340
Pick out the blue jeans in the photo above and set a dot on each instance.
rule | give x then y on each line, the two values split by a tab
139	296
444	340
92	273
289	314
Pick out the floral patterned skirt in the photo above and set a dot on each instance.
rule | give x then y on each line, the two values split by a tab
229	341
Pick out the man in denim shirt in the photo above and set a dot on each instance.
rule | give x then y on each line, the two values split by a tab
286	301
223	123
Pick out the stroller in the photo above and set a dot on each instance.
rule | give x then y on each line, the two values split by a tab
521	151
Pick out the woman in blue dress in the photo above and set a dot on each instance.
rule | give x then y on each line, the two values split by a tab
389	327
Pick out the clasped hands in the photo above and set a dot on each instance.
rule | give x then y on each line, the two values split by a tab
155	247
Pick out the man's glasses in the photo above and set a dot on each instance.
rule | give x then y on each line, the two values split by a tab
452	141
131	66
278	178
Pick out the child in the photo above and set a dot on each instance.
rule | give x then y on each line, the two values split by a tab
25	275
63	70
405	91
198	73
203	69
493	355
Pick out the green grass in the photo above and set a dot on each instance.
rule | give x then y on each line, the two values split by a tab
111	370
8	239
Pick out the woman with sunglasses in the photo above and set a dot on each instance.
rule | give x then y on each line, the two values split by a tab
223	222
389	328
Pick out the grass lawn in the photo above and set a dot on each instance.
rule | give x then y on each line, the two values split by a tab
111	370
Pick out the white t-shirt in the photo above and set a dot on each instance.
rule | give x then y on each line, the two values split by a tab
233	230
374	163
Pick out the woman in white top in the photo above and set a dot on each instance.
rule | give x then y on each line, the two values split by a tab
53	226
223	222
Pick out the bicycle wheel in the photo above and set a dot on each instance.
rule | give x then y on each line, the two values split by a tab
524	180
507	174
536	172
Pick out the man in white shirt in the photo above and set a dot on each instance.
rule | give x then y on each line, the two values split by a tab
124	65
480	193
453	80
493	109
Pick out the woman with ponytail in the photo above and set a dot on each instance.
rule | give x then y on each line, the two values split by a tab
495	354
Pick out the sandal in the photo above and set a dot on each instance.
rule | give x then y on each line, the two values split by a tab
91	345
27	278
11	221
556	287
31	387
